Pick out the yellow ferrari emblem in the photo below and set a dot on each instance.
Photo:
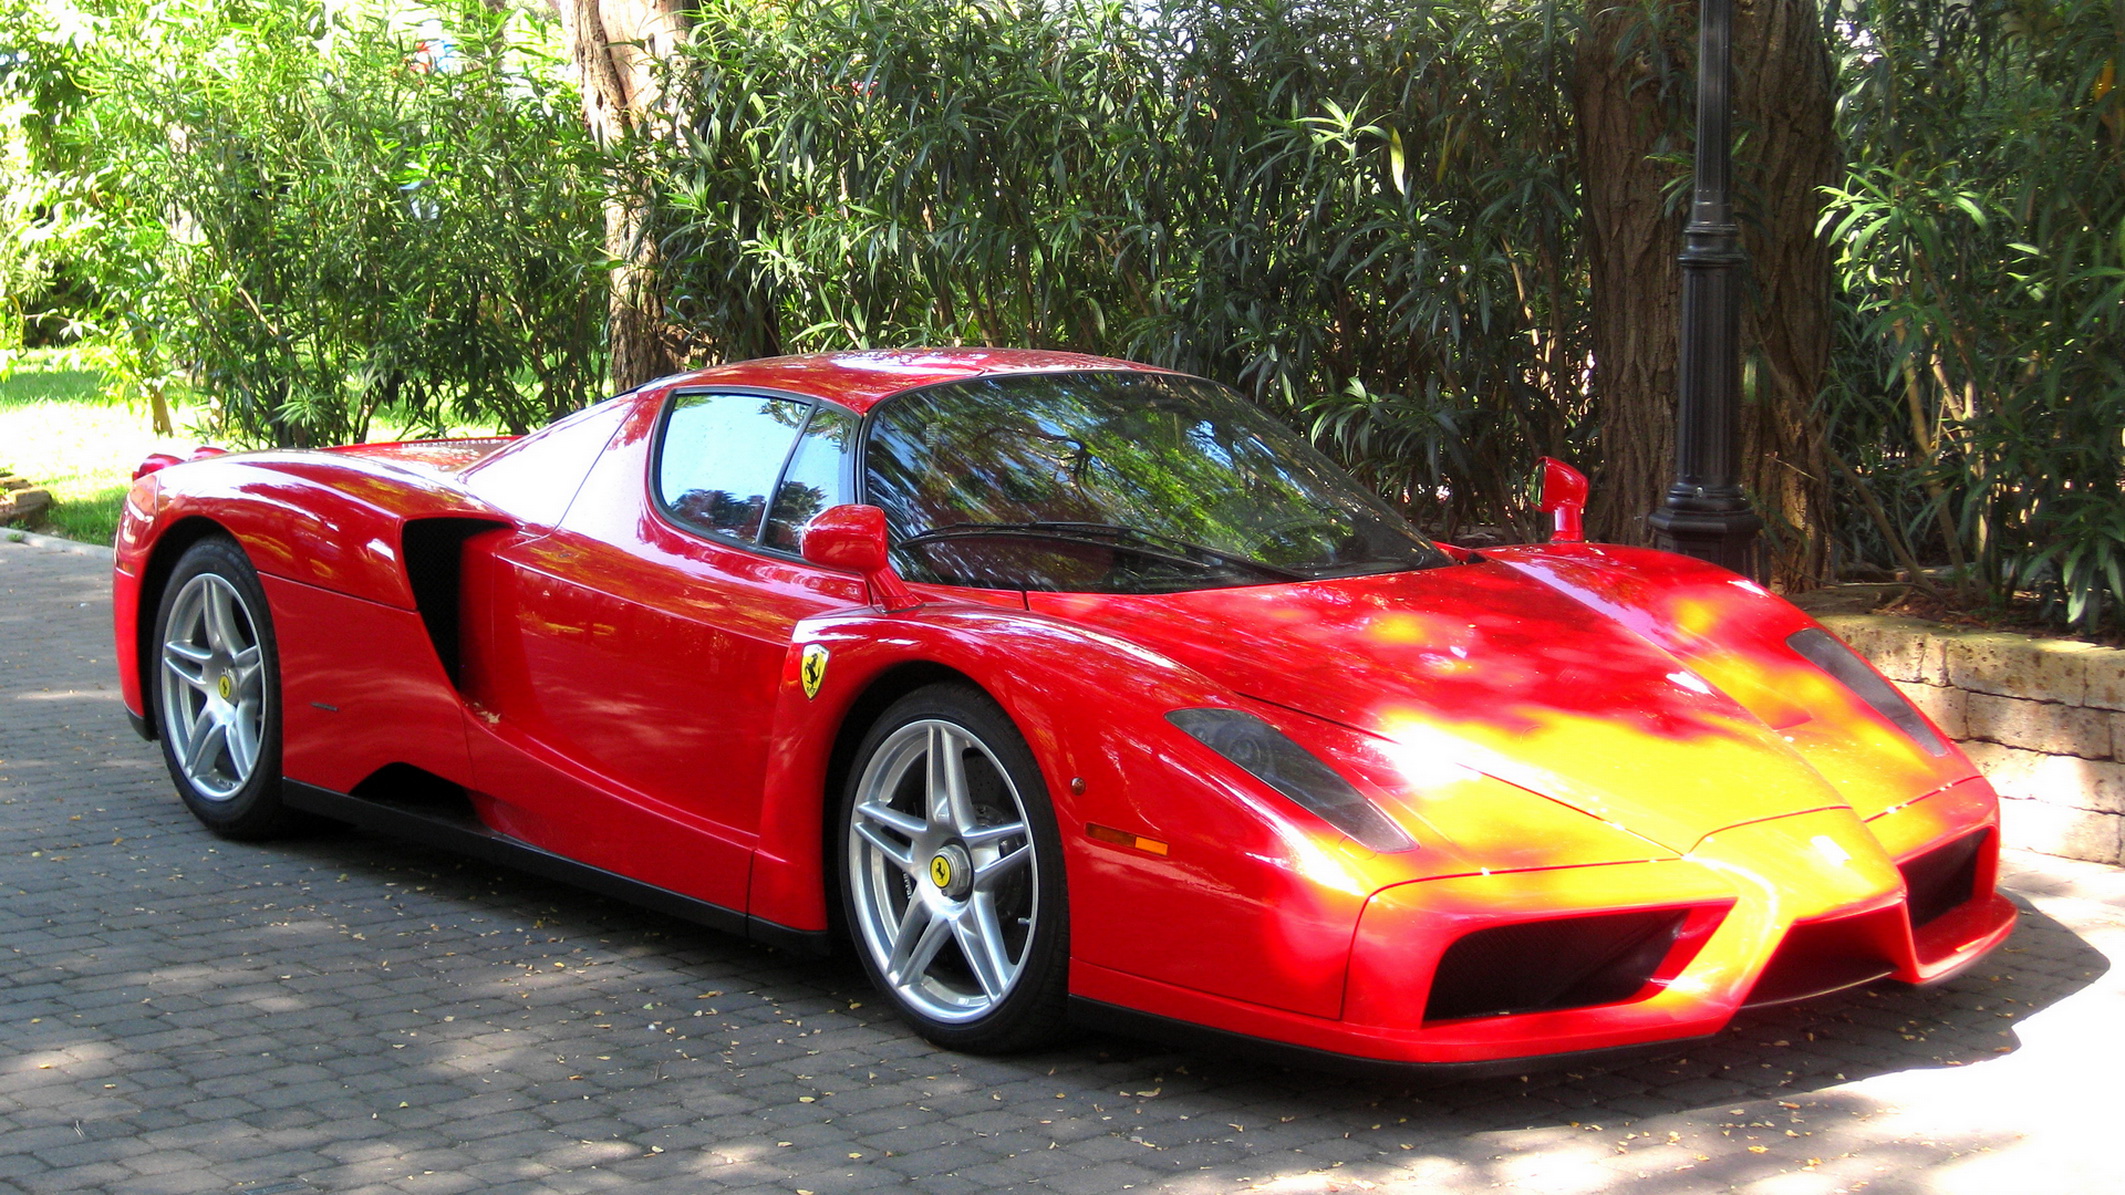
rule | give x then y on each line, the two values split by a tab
941	871
225	687
813	670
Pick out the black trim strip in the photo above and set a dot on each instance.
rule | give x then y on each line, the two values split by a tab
1113	1018
465	835
141	726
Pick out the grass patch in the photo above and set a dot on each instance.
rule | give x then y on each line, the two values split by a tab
59	429
25	385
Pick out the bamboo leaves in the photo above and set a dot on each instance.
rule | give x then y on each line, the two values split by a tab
349	226
1981	236
1325	207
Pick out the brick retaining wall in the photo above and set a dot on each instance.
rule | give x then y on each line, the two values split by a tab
2044	719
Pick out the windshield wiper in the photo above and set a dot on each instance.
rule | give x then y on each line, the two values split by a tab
1128	539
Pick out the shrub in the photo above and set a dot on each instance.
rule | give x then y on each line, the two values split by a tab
1982	241
321	217
1361	215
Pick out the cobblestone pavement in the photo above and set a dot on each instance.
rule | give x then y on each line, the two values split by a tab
348	1013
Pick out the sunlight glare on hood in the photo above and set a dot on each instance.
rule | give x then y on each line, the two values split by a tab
1691	681
1426	756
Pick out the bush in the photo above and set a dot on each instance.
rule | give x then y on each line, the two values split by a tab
1365	214
319	215
1362	216
1982	241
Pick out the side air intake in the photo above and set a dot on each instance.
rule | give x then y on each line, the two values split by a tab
433	553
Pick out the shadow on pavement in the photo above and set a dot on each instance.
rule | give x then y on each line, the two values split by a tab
1764	1054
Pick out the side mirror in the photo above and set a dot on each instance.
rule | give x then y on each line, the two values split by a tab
852	538
1564	498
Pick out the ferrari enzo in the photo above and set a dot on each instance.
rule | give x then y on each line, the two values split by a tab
1056	684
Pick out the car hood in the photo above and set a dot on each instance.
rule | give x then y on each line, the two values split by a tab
1482	666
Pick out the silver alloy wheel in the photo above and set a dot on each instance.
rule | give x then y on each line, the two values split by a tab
942	870
213	692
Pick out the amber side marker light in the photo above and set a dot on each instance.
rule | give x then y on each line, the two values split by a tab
1123	838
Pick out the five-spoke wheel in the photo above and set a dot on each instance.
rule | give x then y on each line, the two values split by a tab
217	694
952	872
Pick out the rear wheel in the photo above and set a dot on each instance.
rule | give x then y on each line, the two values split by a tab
951	873
218	692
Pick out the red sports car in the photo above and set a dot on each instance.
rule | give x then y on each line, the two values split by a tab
1054	683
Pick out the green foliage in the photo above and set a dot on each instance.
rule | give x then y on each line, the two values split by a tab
1386	234
22	268
32	82
1982	256
305	215
1363	216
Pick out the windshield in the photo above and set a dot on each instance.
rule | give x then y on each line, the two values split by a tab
1117	483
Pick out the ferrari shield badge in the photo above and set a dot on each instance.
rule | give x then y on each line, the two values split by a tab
813	670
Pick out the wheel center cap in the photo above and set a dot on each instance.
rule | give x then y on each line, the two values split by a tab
952	871
225	686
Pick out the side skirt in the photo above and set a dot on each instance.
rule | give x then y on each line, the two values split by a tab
433	826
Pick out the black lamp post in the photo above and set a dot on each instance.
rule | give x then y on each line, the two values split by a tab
1705	514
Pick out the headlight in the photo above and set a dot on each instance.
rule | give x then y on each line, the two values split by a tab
1825	651
1267	754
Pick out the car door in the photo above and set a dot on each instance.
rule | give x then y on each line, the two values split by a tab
646	635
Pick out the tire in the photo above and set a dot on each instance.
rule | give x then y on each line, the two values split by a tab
956	904
216	693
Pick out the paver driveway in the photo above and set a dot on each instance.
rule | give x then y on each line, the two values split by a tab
347	1013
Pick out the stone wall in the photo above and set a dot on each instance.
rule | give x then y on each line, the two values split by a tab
2044	719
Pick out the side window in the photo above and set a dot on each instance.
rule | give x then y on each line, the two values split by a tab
813	480
720	456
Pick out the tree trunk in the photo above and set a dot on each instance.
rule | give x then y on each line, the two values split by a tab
1636	81
1632	74
1785	112
615	44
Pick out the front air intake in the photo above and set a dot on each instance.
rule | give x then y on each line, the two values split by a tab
1820	957
1942	878
1540	966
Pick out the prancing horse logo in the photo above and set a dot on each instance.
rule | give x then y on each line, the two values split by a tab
941	871
813	669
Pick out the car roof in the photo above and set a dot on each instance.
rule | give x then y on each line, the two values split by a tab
859	380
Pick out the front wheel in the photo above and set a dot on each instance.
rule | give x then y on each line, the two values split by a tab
951	873
218	692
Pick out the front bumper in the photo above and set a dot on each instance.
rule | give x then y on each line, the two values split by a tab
1761	913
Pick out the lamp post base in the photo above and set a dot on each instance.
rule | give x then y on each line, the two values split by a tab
1726	538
